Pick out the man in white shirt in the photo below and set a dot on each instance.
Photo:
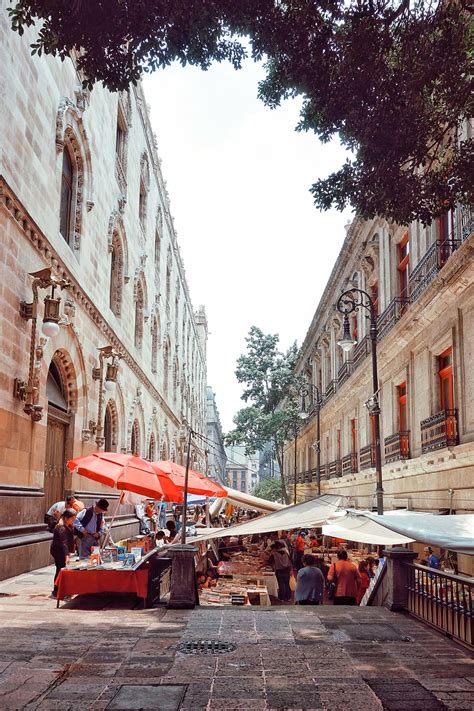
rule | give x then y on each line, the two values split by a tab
54	513
89	526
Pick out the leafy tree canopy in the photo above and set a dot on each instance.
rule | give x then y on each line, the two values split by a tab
269	489
393	78
270	389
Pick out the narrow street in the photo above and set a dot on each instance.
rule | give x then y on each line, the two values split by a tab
99	652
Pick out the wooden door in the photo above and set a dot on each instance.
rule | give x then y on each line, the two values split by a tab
55	461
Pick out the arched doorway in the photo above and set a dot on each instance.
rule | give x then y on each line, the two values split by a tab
56	435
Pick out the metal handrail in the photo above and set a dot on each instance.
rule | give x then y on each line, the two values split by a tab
443	600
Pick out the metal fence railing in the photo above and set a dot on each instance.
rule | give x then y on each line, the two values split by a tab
444	600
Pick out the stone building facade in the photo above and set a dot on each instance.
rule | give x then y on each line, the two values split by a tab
84	209
241	469
216	458
421	281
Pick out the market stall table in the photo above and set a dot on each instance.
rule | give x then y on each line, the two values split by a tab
98	580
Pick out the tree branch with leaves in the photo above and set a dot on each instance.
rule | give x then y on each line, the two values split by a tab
386	76
271	393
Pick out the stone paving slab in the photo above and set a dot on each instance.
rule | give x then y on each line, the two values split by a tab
104	652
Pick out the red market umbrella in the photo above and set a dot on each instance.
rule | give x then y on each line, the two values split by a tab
197	482
127	472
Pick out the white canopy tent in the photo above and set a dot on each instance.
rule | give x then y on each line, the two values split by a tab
455	532
247	501
306	515
354	526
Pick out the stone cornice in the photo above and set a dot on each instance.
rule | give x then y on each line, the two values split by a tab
327	301
13	207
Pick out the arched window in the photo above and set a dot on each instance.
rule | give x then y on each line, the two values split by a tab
135	438
109	445
168	278
165	367
116	275
67	186
142	204
143	191
155	338
152	448
139	308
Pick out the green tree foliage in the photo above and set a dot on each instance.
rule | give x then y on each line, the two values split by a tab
269	390
269	489
392	78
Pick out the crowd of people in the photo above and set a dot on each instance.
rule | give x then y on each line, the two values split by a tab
303	578
77	528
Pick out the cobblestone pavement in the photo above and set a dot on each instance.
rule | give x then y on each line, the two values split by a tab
97	652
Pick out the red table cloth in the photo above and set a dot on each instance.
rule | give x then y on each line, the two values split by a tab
83	582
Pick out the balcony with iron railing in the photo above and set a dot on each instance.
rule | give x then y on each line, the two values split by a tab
335	468
330	389
324	471
397	446
430	264
367	456
393	313
466	222
349	463
361	351
439	431
344	372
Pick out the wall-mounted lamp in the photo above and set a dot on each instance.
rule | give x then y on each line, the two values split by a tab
109	357
28	392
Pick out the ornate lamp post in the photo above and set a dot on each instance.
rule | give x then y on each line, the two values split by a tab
109	355
28	392
315	402
350	301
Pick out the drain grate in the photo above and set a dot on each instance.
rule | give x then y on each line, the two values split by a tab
206	646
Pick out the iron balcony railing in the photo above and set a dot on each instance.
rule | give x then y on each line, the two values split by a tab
444	600
393	313
330	389
324	471
397	446
349	463
344	372
361	351
439	431
335	468
430	264
367	456
466	222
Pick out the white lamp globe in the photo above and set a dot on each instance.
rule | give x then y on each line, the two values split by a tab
109	385
50	329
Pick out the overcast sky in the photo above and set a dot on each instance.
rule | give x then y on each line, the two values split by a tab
255	249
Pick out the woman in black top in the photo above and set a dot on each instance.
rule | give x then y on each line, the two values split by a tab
63	543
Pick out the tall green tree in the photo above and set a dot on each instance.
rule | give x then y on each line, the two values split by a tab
269	489
270	388
391	78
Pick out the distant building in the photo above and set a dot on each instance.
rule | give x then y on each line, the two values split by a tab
268	467
216	462
242	470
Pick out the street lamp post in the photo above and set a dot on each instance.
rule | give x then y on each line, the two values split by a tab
350	301
308	389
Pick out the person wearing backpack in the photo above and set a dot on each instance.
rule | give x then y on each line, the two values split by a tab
89	526
343	580
281	564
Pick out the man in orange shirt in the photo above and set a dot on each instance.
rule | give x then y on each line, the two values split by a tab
347	579
299	548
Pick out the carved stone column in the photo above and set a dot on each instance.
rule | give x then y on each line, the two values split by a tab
398	577
183	593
